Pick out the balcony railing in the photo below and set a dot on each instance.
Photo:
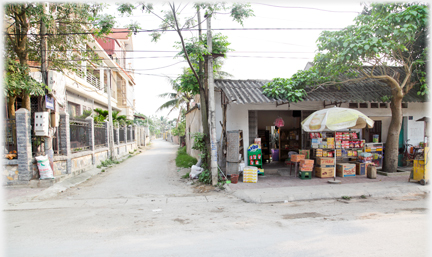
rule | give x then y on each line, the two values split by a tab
90	78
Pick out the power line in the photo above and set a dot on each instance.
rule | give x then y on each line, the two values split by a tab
156	51
310	8
171	30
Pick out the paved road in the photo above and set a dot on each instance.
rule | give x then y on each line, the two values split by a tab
142	208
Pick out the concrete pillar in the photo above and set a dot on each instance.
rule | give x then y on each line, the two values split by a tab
117	135
90	130
107	133
101	76
125	133
24	147
64	134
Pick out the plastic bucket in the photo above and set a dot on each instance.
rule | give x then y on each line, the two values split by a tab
234	178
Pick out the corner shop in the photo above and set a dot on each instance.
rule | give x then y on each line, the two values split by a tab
248	110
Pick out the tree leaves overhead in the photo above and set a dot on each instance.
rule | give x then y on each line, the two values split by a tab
384	35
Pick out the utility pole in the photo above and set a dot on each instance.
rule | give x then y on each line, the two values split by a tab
110	121
44	72
212	117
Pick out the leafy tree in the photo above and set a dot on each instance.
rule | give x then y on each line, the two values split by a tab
385	36
170	20
19	83
64	23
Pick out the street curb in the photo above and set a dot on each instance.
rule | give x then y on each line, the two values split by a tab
293	194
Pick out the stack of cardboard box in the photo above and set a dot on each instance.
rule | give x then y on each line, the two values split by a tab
250	174
306	165
324	167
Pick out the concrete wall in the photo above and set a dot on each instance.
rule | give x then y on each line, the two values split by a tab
10	174
237	116
193	125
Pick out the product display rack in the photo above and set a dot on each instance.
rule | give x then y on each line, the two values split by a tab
289	140
377	151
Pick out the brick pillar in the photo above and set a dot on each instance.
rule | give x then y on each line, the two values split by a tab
64	132
24	148
90	130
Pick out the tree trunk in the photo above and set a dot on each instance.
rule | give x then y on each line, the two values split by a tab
392	143
26	102
11	107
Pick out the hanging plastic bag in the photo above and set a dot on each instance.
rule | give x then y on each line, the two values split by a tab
44	167
279	122
195	171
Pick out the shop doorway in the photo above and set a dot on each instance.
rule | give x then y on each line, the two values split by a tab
280	134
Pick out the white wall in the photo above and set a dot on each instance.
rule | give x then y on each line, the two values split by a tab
237	116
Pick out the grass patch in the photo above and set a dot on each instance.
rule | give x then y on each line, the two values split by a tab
183	159
186	175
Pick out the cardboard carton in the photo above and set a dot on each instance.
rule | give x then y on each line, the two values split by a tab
345	170
324	172
297	157
325	162
306	153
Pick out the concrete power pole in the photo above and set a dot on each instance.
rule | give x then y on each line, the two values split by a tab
44	71
110	121
212	116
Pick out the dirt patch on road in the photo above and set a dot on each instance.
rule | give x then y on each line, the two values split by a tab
204	189
303	215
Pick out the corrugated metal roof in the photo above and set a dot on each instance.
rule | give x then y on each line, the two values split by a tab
368	90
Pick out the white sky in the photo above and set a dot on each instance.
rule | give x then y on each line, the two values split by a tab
249	46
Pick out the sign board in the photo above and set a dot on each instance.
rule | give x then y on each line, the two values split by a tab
49	102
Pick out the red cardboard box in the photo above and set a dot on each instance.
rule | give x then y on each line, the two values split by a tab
306	168
345	170
306	162
297	157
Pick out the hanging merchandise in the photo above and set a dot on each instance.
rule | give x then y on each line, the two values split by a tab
279	122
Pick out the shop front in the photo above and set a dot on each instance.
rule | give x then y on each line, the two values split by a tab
276	125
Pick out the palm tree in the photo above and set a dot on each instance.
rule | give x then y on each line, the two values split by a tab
178	100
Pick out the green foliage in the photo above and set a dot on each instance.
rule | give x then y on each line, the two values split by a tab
101	115
200	145
287	89
86	113
19	82
64	22
197	49
240	11
384	35
185	175
183	159
107	162
205	177
346	197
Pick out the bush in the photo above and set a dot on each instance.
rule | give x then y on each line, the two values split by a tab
183	159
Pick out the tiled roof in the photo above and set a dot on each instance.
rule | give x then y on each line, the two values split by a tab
368	90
